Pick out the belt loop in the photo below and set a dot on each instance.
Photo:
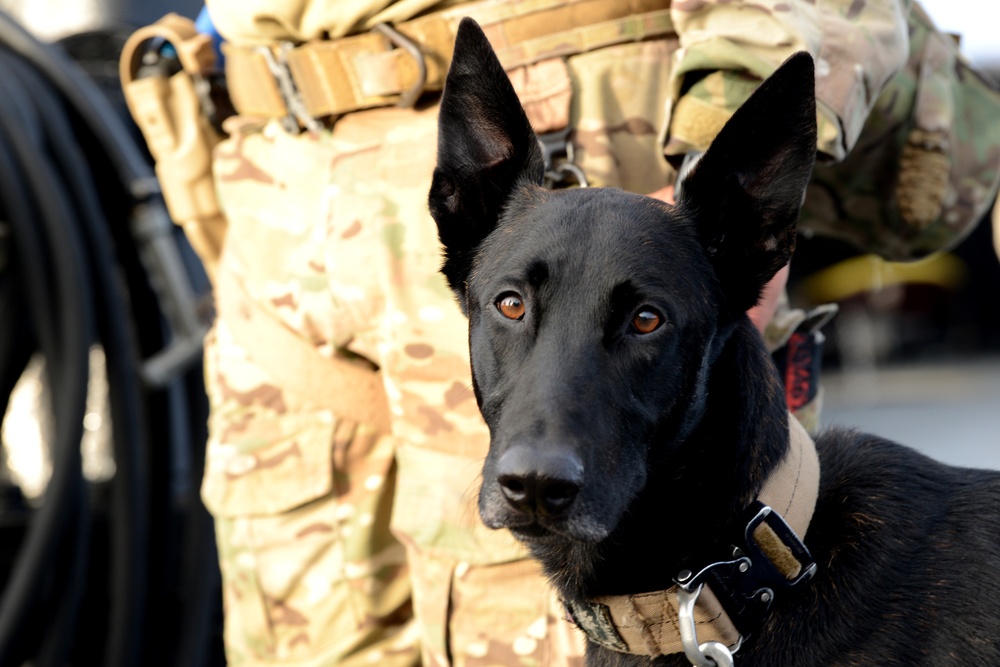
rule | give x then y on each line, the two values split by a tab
408	98
298	116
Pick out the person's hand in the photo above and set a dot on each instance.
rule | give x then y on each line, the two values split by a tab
664	194
762	313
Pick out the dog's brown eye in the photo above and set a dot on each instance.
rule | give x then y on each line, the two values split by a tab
511	306
646	321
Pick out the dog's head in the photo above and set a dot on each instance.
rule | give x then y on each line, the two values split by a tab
595	314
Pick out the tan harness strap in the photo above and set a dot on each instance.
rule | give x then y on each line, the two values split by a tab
368	70
349	388
647	623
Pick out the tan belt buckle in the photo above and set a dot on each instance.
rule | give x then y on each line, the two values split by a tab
399	40
298	115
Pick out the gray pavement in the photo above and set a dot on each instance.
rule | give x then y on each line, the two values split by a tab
948	410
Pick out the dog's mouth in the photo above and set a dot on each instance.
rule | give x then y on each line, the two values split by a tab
540	530
533	532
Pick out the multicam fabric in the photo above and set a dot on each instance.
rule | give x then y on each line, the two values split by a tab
267	21
926	167
909	133
728	47
331	235
301	496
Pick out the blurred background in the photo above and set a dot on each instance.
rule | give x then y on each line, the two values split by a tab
914	354
116	525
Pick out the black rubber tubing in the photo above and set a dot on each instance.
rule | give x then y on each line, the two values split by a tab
64	327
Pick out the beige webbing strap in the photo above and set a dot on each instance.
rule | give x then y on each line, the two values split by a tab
792	488
350	389
168	111
647	623
194	50
367	70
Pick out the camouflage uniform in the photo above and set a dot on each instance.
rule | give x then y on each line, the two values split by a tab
900	173
335	532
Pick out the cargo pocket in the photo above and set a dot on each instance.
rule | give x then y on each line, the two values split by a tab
436	509
302	503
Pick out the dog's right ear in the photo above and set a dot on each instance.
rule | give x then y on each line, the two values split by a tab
486	149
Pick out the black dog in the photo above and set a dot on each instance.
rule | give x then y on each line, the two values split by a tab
635	414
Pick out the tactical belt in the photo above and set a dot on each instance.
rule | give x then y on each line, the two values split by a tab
395	64
350	388
650	623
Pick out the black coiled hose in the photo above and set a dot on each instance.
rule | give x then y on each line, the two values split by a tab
72	179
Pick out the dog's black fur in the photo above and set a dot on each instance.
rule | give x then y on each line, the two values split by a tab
608	442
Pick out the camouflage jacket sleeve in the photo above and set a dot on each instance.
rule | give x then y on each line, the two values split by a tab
728	46
250	22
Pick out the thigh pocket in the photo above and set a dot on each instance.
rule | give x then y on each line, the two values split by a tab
302	503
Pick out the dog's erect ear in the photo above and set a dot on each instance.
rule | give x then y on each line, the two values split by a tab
486	148
747	190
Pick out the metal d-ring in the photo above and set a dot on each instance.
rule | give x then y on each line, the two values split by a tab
408	98
557	143
708	654
573	171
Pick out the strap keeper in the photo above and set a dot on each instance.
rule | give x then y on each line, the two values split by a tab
409	97
298	115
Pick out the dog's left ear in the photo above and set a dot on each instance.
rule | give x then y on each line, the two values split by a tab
486	149
746	191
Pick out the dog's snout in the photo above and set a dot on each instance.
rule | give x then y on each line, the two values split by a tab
539	482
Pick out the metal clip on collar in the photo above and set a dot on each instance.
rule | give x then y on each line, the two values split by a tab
298	115
708	654
745	586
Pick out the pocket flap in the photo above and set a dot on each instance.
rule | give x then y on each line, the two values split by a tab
271	463
435	508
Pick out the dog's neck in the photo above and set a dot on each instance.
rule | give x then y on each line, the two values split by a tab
691	506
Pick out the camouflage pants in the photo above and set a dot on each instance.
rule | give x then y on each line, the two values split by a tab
331	531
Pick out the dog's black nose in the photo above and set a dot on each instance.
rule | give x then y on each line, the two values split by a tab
539	482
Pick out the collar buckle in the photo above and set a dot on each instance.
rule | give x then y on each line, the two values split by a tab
771	559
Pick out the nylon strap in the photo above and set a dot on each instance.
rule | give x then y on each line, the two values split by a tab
363	71
194	50
350	389
646	623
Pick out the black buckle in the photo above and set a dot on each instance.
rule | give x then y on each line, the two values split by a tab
747	584
762	514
